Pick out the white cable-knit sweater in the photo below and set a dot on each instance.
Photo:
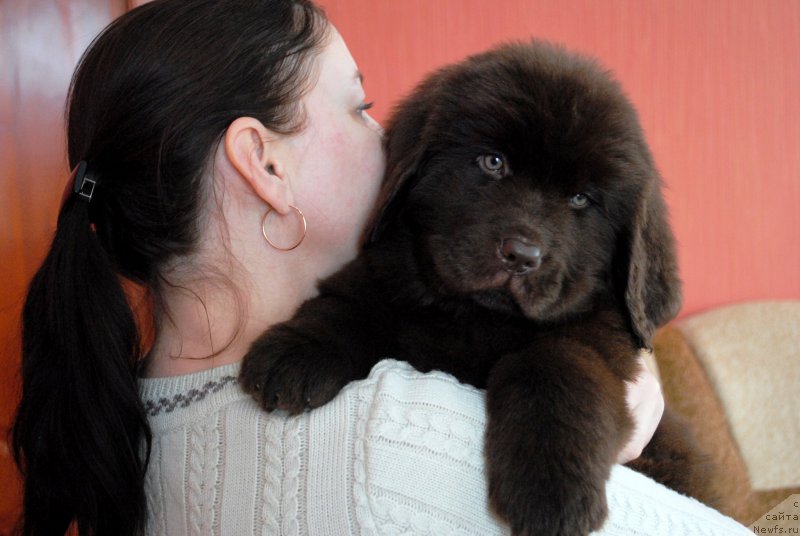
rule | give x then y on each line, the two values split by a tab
397	453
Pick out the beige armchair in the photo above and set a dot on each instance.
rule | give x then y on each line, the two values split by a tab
734	372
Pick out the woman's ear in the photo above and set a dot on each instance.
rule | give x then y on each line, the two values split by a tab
253	150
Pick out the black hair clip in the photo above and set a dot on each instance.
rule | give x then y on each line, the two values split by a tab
83	184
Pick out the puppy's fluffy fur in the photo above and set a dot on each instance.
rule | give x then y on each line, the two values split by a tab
520	244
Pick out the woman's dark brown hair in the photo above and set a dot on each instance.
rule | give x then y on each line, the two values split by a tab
150	99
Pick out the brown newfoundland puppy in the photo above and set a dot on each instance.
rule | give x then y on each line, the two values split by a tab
521	245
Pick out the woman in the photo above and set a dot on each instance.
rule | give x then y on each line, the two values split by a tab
205	136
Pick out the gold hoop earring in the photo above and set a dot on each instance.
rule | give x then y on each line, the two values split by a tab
273	244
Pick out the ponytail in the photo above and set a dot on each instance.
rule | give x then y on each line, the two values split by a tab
80	428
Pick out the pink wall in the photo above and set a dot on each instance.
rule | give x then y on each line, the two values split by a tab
717	85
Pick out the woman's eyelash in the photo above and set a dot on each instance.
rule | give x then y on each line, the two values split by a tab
366	106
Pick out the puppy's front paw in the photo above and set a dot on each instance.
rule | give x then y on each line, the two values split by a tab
540	502
284	370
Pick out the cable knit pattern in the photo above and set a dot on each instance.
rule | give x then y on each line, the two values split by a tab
363	513
194	480
272	474
155	495
437	434
399	453
430	428
202	481
291	474
211	476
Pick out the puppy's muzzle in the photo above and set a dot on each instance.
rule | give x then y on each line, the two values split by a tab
519	256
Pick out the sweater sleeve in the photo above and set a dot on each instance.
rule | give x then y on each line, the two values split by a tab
417	466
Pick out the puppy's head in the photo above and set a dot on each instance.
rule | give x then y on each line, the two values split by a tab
524	178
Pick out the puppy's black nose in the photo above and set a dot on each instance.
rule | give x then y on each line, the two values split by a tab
518	256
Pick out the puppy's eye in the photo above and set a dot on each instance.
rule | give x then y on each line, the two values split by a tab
580	201
493	164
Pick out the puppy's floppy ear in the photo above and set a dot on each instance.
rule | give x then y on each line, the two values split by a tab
653	293
406	143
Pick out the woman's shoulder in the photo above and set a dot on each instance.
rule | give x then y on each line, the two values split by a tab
430	413
417	445
396	383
